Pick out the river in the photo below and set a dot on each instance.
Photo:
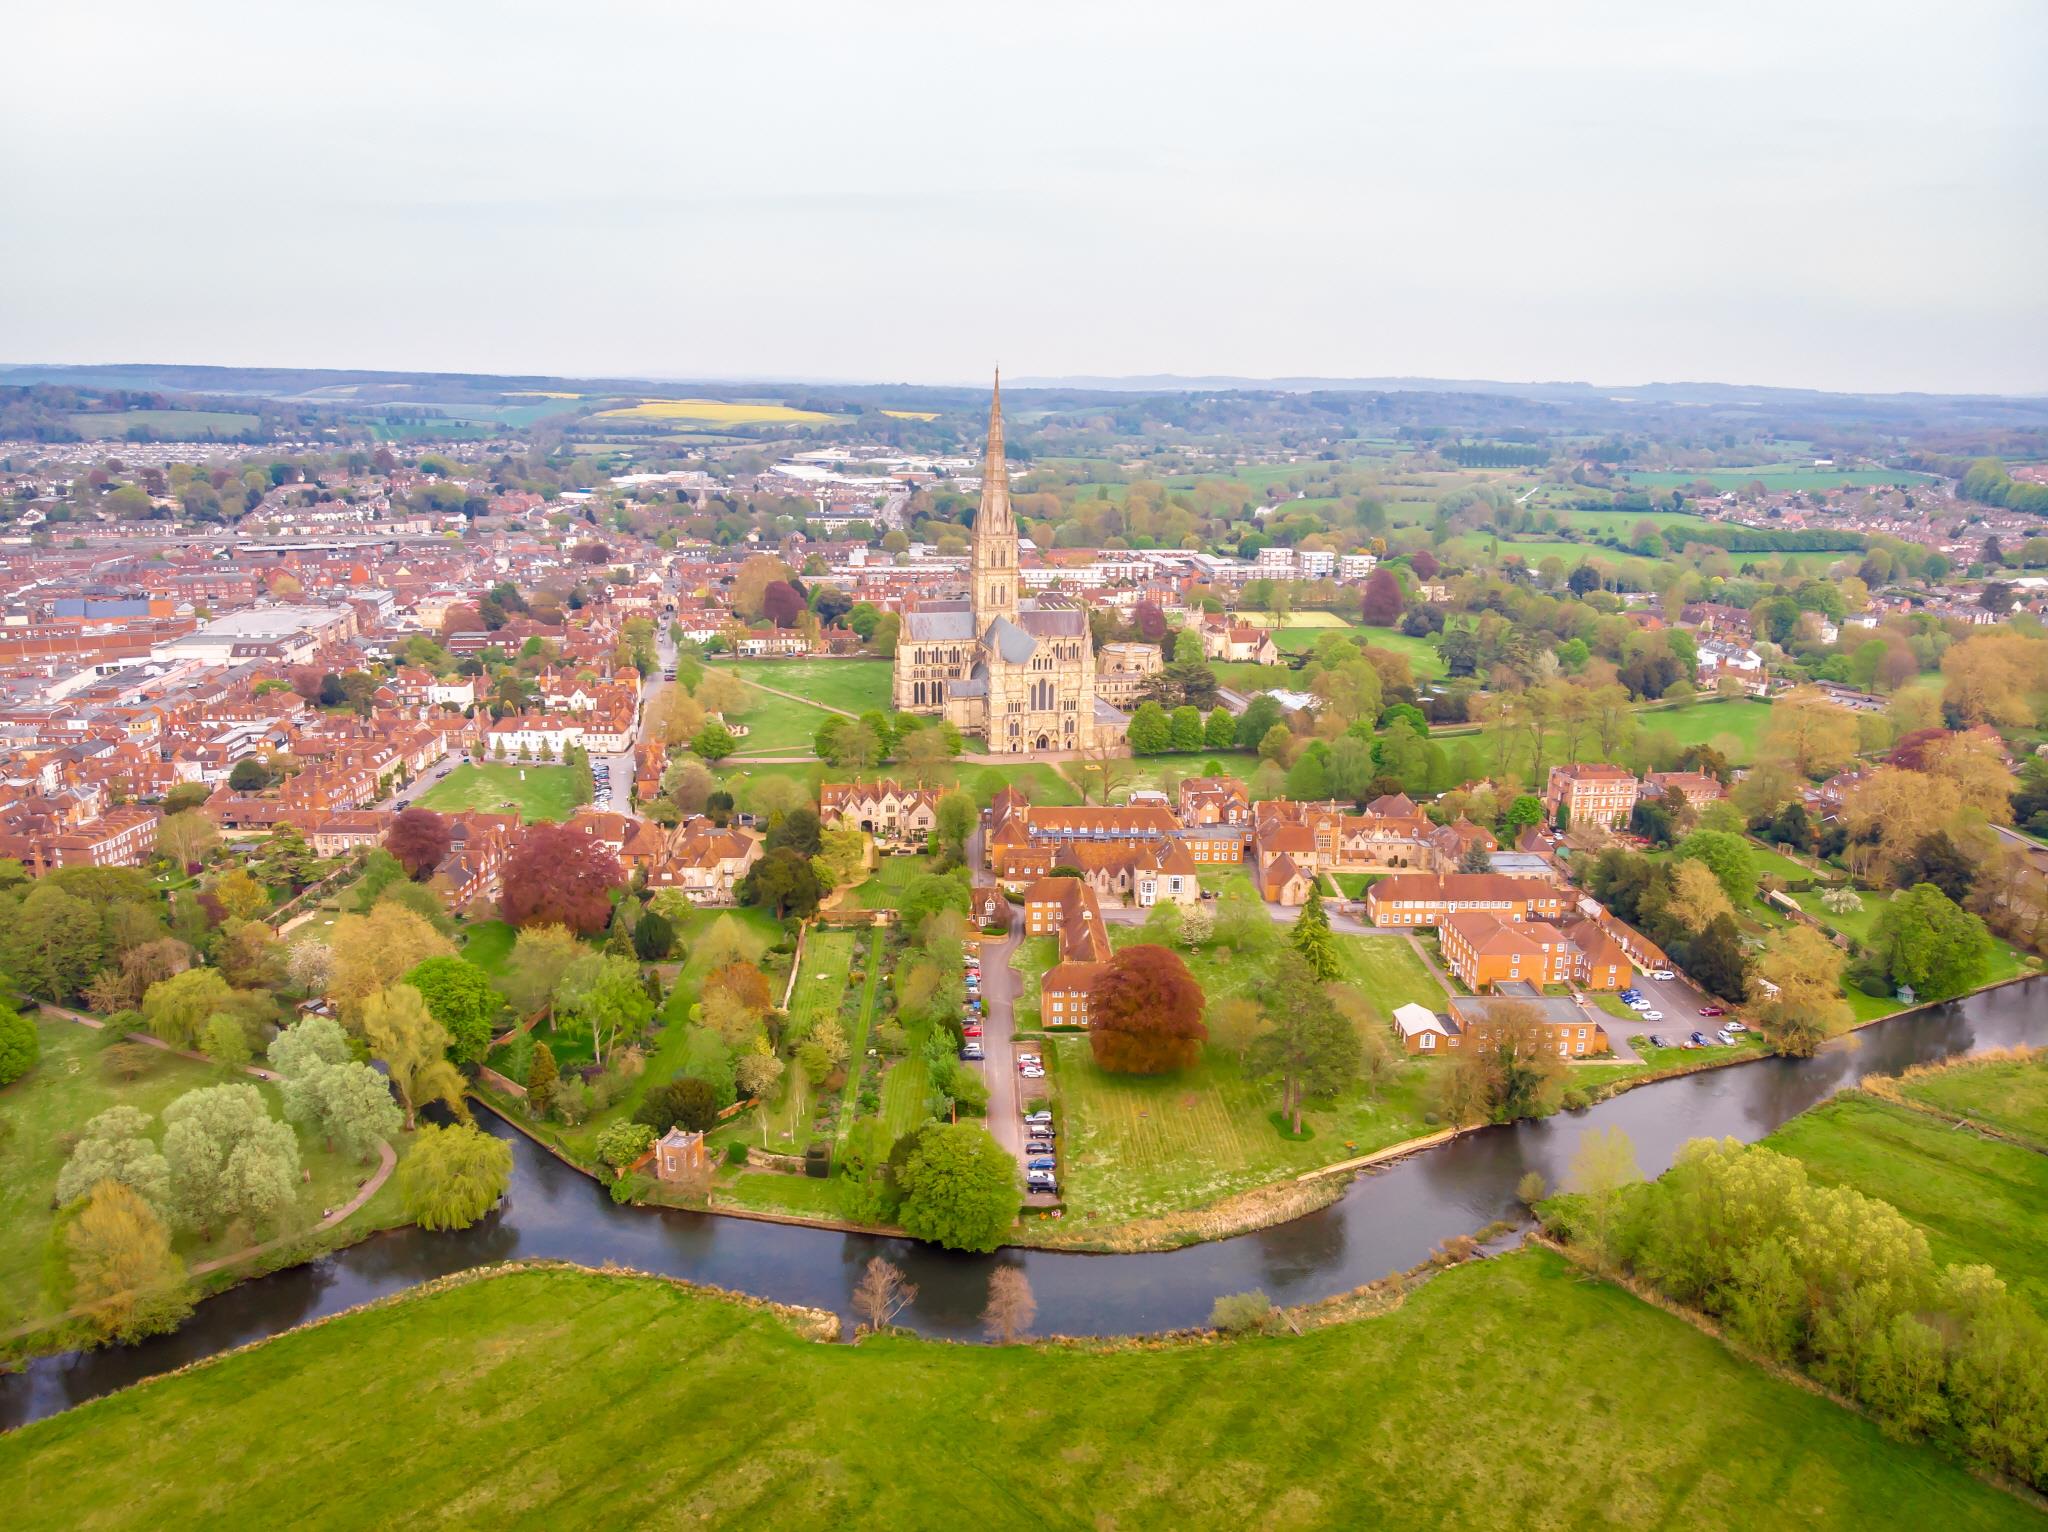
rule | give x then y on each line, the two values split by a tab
1385	1221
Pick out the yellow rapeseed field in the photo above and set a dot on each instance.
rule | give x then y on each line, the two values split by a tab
719	412
911	414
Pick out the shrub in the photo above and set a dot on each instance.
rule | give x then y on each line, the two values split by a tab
735	1153
1242	1314
685	1100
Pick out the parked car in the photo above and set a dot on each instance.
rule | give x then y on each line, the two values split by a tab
1657	1040
1041	1181
1034	1073
972	1056
1662	974
972	1029
1713	1010
1699	1039
1039	1116
1653	1015
1043	1162
1726	1036
1735	1027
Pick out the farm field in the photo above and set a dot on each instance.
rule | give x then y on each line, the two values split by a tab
169	424
1536	1362
852	686
2009	1093
1982	1201
717	412
43	1113
1781	476
533	792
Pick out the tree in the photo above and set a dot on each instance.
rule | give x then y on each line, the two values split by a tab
622	1143
176	1009
1381	605
954	820
116	1146
960	1188
1150	731
20	1047
377	949
541	1077
1727	856
419	839
1309	1047
1715	960
460	997
555	876
1507	1069
1925	941
1696	898
540	956
348	1104
230	1160
124	1272
685	1101
239	894
882	1293
1185	726
1937	859
784	881
1011	1306
1311	937
52	942
225	1040
654	937
1805	1004
186	838
1604	1166
1810	733
1220	732
1145	1013
414	1047
453	1176
714	742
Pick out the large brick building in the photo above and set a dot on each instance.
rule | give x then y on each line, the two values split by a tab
1426	899
1592	794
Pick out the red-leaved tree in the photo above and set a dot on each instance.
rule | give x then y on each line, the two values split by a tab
1382	605
1145	1013
782	603
556	877
419	838
1424	563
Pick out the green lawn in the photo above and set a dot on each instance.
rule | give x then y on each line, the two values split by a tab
2007	1093
903	1091
821	982
534	792
886	885
853	686
1510	1392
1735	726
1422	656
776	1191
1034	955
1151	770
1981	1200
488	944
778	726
44	1111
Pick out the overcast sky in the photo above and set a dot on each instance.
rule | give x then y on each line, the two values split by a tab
1840	195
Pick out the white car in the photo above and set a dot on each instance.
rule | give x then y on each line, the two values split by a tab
1662	973
1653	1015
1637	1005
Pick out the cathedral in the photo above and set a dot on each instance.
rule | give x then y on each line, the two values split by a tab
1018	673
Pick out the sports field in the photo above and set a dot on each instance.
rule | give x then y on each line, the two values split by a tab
533	792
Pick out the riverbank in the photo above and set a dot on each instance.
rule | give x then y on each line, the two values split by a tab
1532	1363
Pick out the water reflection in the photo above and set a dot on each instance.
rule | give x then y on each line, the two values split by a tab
1386	1221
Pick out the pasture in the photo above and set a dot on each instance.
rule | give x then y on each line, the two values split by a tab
2010	1094
166	424
1982	1201
1558	1422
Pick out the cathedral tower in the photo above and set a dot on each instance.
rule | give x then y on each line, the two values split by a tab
994	565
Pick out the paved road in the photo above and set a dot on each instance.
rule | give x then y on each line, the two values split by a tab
999	1002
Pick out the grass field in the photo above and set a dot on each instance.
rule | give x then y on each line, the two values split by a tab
717	412
719	1414
1981	1200
533	792
2008	1093
488	944
903	1089
1151	770
1295	620
886	884
1422	656
778	725
1738	725
852	686
169	424
43	1113
821	982
1142	1146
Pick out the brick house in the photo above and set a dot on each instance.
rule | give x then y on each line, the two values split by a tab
1592	794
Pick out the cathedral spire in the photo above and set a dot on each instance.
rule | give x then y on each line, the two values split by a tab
994	556
995	467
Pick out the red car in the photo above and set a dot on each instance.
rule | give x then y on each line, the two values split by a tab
972	1029
1713	1010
